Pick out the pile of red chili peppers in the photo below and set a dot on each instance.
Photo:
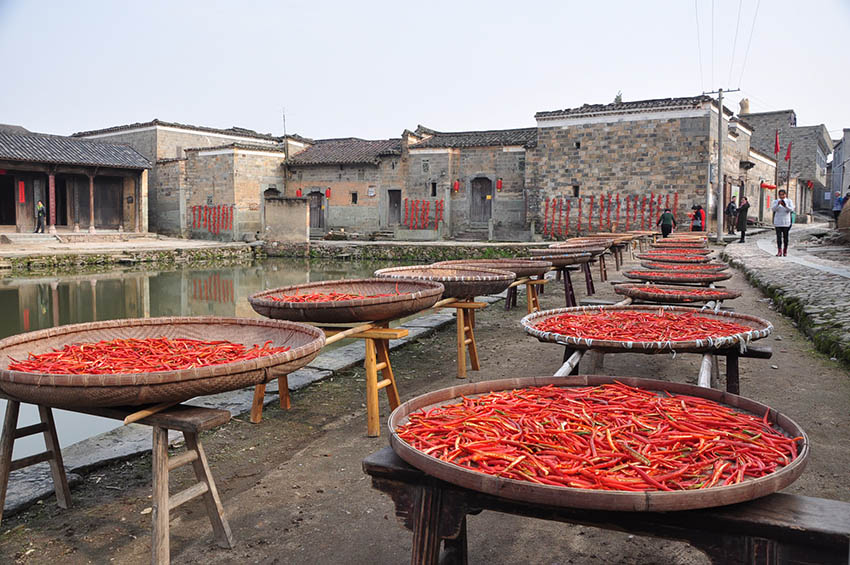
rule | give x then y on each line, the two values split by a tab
672	257
670	275
637	326
685	267
119	356
323	297
695	292
609	437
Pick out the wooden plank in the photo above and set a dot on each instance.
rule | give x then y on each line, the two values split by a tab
468	305
29	460
461	343
184	458
373	424
30	430
336	335
382	333
7	442
474	362
257	404
212	501
149	411
57	466
182	417
382	349
160	550
186	495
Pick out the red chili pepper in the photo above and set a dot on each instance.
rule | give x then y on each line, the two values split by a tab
326	296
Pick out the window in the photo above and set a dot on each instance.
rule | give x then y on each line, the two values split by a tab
575	190
354	198
179	152
433	189
577	144
361	174
426	165
821	162
520	164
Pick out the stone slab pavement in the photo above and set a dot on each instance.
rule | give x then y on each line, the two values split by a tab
811	290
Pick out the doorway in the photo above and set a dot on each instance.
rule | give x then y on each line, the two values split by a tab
481	199
317	211
394	210
7	201
61	202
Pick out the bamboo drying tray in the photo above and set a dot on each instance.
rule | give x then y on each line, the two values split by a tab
407	297
669	277
520	267
90	391
684	267
592	248
680	251
617	500
641	292
662	258
759	328
567	258
663	243
459	282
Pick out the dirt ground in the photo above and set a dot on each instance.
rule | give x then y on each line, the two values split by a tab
294	491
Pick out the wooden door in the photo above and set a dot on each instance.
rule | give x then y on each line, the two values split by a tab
481	198
317	212
8	213
394	211
107	202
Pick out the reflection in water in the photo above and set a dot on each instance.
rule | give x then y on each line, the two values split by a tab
29	304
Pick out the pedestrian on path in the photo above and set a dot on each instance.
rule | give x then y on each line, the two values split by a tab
837	204
742	217
39	217
782	208
667	221
697	218
731	220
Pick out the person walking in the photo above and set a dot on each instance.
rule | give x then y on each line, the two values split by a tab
39	216
837	204
731	220
667	221
697	218
742	217
782	208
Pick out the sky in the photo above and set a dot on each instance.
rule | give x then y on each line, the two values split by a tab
371	69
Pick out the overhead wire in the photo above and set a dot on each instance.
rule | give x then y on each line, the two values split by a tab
749	42
699	50
734	43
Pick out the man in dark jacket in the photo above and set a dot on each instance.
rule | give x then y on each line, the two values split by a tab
742	217
731	210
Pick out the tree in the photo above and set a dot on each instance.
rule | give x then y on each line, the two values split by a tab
619	98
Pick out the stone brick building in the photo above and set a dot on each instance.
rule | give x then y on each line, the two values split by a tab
83	184
810	147
839	179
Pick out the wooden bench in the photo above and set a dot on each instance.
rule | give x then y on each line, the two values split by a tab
191	420
779	528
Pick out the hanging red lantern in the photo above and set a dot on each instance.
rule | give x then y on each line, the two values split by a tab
456	185
328	192
809	184
499	184
298	193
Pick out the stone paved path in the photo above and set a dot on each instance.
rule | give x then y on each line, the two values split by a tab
811	290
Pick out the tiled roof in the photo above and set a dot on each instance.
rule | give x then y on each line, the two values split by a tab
243	132
69	151
236	145
11	128
346	151
627	107
486	138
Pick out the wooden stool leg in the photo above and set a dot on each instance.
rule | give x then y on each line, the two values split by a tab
382	348
473	347
461	344
215	510
257	404
588	279
57	467
373	424
511	290
569	294
160	550
732	376
7	442
542	286
426	527
532	298
283	391
456	549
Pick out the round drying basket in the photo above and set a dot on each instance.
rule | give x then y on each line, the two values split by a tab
664	244
680	251
684	267
460	282
520	267
72	391
759	328
679	277
670	258
619	500
678	294
406	297
592	248
564	259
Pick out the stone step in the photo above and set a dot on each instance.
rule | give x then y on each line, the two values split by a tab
27	238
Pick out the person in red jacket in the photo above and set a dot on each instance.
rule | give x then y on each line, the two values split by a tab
697	218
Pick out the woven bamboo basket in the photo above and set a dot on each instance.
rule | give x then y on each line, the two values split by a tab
641	292
519	267
670	277
680	251
684	267
612	500
675	259
759	328
406	297
459	282
592	248
71	391
664	244
564	259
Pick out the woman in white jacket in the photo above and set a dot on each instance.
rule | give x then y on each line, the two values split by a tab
782	208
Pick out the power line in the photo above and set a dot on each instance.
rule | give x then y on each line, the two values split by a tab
735	41
699	49
749	41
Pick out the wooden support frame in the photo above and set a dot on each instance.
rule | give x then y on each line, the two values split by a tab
531	293
466	335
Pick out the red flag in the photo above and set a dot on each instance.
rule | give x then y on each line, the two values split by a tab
776	144
788	153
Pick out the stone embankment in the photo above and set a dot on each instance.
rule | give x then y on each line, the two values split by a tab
810	290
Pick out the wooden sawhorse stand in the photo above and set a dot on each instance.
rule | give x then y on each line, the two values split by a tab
779	528
466	334
531	293
376	337
190	420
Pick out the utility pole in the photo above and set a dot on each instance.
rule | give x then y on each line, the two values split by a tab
720	181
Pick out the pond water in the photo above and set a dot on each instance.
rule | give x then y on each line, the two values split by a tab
34	303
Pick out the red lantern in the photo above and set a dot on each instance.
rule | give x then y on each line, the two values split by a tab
298	193
328	192
456	185
499	185
809	184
